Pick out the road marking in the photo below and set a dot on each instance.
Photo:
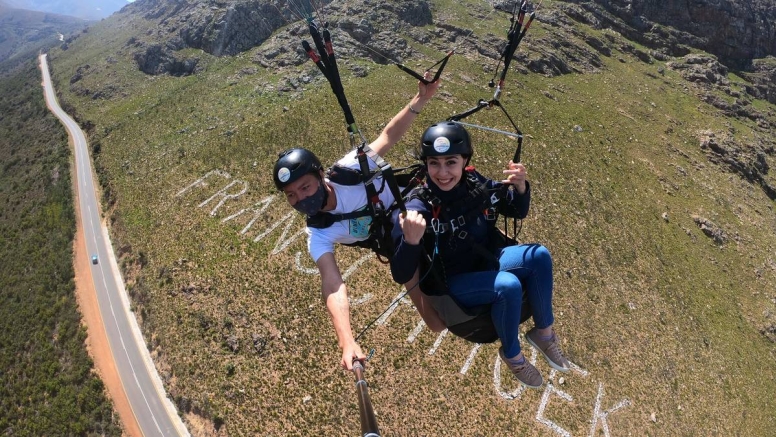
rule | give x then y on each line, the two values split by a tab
123	344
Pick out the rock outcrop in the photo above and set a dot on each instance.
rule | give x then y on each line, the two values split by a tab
763	78
750	161
157	59
227	28
736	31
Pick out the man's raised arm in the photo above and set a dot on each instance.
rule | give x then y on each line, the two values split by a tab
400	123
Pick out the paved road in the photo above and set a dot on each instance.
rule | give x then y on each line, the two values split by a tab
155	414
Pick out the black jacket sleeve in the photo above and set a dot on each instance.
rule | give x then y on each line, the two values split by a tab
510	204
406	258
515	205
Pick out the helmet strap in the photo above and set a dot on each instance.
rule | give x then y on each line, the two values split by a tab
325	189
325	194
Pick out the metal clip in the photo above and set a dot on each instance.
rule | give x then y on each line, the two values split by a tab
490	214
494	199
456	223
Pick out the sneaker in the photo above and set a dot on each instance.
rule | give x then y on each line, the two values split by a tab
526	373
550	349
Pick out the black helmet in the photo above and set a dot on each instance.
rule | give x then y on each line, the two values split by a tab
292	164
445	138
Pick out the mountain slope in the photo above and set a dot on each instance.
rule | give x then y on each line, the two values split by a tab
652	191
49	386
23	31
83	9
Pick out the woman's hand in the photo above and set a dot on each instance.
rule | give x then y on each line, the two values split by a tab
516	176
413	225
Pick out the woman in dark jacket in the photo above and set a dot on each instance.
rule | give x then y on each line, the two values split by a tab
450	232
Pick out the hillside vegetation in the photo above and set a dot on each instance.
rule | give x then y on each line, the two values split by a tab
23	32
651	191
48	385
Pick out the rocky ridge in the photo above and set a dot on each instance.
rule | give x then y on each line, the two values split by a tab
270	31
736	31
739	33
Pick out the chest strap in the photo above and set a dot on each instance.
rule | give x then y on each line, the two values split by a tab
323	220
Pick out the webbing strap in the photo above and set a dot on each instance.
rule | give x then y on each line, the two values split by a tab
327	63
384	169
375	204
323	220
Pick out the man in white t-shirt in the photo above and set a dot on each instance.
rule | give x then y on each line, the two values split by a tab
350	198
298	173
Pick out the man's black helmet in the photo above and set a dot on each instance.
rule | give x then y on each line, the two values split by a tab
292	164
445	138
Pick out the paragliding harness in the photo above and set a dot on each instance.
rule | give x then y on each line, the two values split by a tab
514	36
470	323
517	31
476	324
379	237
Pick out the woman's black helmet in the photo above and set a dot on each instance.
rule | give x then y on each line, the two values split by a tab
292	164
445	138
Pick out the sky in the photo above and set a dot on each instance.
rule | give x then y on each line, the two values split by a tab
85	9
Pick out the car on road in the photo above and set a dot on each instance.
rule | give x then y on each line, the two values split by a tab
94	259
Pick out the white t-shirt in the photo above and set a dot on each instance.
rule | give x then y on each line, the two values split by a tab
349	199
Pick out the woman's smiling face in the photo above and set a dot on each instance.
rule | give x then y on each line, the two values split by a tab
445	171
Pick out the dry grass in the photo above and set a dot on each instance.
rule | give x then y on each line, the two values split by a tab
661	321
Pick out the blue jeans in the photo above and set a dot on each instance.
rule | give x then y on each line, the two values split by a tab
525	267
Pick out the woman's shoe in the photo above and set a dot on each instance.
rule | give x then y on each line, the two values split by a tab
550	349
525	372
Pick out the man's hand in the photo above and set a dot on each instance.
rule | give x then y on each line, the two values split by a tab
426	91
350	352
414	227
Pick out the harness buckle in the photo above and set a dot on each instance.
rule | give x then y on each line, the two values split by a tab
453	227
494	199
490	213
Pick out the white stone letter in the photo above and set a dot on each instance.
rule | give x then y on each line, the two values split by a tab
224	196
602	415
